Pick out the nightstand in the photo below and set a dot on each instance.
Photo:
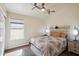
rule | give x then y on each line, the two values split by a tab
73	46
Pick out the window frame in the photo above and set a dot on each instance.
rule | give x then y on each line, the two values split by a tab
16	28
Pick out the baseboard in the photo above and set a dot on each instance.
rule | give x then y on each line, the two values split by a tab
16	48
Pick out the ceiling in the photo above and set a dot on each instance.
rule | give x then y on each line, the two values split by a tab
26	9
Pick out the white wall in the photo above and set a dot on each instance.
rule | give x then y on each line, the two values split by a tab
66	14
32	28
3	15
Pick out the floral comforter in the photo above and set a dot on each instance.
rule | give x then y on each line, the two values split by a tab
47	45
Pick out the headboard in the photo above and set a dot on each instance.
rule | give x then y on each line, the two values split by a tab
59	31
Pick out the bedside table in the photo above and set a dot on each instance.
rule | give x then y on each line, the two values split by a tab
73	46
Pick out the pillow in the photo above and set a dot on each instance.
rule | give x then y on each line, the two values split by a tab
55	34
63	35
58	34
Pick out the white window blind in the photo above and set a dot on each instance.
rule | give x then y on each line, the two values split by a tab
16	29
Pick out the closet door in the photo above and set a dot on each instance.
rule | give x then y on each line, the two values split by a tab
2	33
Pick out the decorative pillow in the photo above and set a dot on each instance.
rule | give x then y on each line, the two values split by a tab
55	34
58	34
63	35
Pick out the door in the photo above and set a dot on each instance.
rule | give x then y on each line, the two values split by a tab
2	33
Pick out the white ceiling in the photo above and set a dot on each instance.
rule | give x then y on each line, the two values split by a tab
26	9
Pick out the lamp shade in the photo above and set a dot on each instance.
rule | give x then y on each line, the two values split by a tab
75	32
42	9
45	30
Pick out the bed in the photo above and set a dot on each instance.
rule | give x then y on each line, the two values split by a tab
52	45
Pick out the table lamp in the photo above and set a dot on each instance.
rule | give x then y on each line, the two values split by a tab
75	32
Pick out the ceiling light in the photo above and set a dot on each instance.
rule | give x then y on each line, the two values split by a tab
42	9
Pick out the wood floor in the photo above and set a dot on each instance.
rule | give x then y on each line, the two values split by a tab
27	52
66	53
14	49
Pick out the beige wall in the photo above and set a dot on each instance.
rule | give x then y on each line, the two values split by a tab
66	14
32	28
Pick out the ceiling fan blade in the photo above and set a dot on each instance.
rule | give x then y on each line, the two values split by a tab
49	13
35	5
43	4
52	11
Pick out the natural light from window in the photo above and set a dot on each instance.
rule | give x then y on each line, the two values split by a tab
16	29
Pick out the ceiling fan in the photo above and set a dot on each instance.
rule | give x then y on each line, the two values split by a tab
42	8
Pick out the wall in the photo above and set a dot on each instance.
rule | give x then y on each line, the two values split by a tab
32	28
66	14
3	15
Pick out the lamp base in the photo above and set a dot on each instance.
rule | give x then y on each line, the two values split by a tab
75	39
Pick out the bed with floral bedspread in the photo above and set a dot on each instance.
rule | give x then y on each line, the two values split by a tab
48	45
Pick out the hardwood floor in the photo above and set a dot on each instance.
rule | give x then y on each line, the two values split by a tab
19	51
66	53
16	48
26	51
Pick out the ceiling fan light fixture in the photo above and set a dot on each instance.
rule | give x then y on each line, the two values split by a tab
42	9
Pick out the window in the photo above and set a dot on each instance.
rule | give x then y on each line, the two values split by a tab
16	29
